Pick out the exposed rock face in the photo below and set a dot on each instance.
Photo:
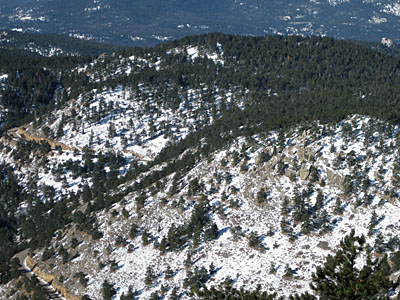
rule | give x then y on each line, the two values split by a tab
305	153
324	245
301	154
291	173
334	178
30	263
304	172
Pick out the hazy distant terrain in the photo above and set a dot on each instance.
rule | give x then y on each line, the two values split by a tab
152	21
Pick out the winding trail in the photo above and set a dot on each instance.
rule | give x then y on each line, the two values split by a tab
20	132
53	294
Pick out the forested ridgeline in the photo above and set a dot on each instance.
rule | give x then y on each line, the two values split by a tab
31	44
288	79
301	73
33	86
283	81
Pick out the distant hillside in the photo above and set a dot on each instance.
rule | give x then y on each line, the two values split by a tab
17	43
148	22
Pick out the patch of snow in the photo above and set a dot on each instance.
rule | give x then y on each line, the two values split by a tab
393	8
377	20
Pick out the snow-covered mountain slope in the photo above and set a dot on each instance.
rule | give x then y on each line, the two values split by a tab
165	157
266	210
133	128
134	124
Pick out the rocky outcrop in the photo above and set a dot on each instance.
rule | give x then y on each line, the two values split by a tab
291	173
334	178
30	263
304	172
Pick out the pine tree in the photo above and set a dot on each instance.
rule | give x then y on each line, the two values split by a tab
338	207
319	203
285	207
60	130
169	273
261	196
150	276
154	296
372	223
228	292
108	290
174	294
339	277
129	295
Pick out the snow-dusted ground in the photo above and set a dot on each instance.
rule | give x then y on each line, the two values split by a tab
231	191
114	120
48	51
135	123
194	52
3	77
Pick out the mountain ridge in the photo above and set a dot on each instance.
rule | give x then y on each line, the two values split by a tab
16	43
245	148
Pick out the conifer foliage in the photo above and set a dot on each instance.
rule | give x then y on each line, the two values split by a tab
342	278
230	293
